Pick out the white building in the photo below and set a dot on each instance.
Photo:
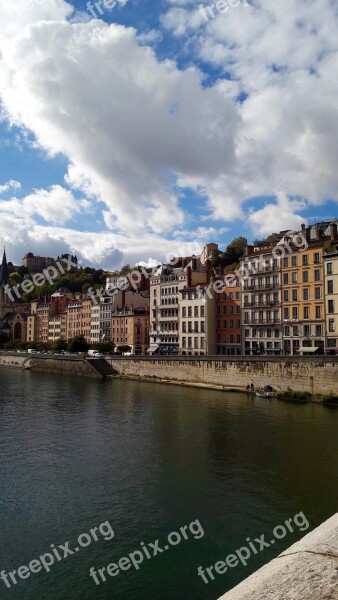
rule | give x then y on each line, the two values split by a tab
165	287
197	321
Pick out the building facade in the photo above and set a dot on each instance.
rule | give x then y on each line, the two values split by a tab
130	327
228	317
331	299
165	288
261	300
197	320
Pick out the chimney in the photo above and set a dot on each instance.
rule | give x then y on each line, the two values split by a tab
189	276
333	232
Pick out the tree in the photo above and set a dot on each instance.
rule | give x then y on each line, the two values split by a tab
77	344
232	254
59	345
14	278
122	349
104	347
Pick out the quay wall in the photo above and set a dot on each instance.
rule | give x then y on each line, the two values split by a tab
306	571
318	375
62	365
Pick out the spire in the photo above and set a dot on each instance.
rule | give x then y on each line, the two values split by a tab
4	270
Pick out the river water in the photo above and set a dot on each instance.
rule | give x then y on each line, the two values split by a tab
139	461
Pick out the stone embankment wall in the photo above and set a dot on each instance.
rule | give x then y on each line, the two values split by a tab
317	375
306	571
311	374
60	365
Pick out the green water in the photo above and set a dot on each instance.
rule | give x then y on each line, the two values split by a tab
150	459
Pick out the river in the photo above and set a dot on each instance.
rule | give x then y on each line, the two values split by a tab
138	461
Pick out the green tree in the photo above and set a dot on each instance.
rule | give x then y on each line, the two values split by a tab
59	345
122	349
15	278
104	347
77	344
232	254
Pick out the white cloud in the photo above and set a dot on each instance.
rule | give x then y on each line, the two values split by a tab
129	124
56	205
12	184
136	129
278	216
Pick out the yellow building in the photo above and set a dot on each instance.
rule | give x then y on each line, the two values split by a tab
57	327
303	291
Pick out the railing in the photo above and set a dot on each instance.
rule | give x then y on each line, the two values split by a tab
263	322
262	304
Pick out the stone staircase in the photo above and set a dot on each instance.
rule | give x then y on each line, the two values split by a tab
102	367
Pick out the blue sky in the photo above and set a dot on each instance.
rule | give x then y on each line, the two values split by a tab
134	135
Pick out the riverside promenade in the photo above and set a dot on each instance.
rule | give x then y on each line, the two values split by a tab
308	570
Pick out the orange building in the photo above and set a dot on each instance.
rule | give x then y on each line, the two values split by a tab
228	318
130	327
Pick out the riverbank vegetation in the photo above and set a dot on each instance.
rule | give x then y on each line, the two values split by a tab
297	396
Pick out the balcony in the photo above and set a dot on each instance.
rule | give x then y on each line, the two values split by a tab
262	322
257	288
262	304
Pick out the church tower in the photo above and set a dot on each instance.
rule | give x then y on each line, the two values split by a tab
4	299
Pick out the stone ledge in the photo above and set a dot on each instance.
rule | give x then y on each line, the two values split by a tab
308	570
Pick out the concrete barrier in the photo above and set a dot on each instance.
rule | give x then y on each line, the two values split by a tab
306	571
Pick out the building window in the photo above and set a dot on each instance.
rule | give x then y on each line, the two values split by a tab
319	330
286	295
331	325
306	312
285	278
196	311
295	312
184	311
317	293
330	307
294	295
330	286
285	262
318	312
196	343
317	274
305	293
316	257
305	276
305	259
286	313
294	277
329	268
307	330
294	261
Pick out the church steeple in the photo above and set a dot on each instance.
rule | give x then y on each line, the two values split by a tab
4	270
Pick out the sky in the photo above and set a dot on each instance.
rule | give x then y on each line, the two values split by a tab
137	130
